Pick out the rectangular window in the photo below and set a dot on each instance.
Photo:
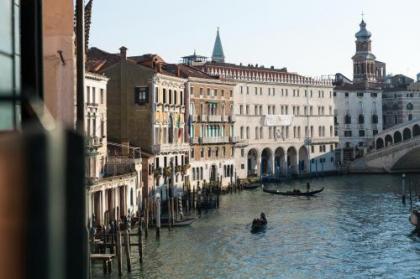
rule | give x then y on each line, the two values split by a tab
359	94
361	133
141	95
347	133
102	96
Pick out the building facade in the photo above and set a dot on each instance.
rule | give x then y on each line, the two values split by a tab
146	109
211	128
401	101
113	178
284	121
358	103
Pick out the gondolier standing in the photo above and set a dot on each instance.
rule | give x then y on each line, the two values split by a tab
308	187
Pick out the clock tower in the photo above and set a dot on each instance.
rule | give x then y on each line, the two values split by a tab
364	61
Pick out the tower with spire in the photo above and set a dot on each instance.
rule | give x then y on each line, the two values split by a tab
365	67
218	55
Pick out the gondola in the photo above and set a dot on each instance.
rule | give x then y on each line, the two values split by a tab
259	224
251	186
293	193
255	228
180	223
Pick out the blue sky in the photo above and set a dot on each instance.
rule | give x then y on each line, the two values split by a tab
311	37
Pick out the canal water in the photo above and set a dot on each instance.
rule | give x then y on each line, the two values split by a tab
356	228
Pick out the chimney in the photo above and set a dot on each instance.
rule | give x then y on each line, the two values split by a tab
123	53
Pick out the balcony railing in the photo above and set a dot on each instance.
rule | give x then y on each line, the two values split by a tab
214	118
215	140
324	140
171	147
93	142
233	139
194	140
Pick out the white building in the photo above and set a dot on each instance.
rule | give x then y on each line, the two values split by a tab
358	103
114	182
284	121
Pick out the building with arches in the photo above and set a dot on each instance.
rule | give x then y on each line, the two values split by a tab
283	121
358	103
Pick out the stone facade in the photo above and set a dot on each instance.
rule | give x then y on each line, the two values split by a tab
358	118
114	181
358	103
146	109
284	121
211	130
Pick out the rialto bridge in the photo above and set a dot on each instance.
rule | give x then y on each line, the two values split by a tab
396	149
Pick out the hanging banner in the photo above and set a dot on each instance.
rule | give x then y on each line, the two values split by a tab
278	120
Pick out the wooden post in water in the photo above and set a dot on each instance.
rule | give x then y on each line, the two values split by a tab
127	249
173	210
118	250
141	241
403	187
146	217
157	216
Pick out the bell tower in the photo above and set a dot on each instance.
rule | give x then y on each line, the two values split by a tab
364	61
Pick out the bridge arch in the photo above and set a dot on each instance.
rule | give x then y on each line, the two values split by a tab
279	161
397	137
292	160
416	130
379	143
388	140
406	134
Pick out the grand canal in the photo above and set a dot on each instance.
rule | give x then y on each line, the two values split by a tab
356	228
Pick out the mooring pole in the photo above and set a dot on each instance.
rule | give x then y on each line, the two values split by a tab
403	187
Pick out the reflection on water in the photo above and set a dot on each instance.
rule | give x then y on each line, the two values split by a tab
356	228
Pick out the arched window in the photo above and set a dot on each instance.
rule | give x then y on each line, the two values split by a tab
347	119
131	197
361	119
375	119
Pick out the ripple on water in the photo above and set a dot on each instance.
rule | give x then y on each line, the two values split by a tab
357	228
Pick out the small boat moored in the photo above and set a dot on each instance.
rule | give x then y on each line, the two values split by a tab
415	218
292	193
251	186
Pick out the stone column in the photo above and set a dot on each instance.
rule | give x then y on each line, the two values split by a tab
102	208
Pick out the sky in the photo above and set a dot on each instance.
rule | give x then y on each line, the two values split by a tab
310	37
